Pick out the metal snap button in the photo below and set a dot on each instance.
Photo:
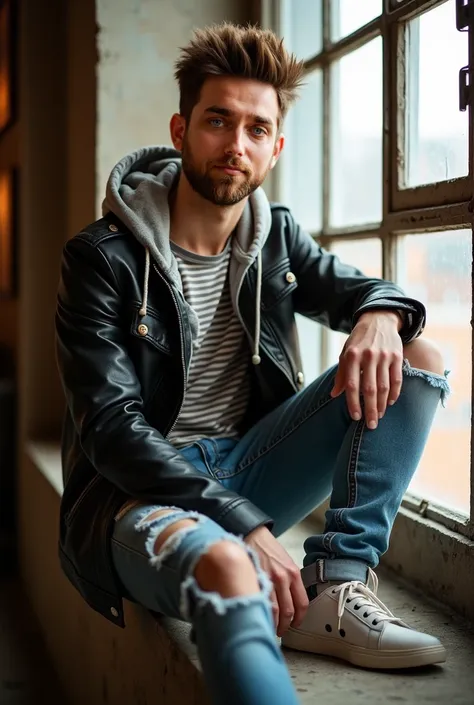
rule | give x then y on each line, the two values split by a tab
114	612
113	228
300	378
142	329
290	277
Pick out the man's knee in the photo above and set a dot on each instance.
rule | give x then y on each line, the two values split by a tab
226	568
425	355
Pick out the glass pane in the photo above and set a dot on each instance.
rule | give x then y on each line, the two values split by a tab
356	137
436	131
303	22
301	162
309	334
349	15
436	269
366	255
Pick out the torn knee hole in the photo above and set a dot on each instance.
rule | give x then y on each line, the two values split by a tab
156	515
170	530
165	528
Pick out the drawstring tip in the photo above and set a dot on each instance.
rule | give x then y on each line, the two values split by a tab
256	359
142	312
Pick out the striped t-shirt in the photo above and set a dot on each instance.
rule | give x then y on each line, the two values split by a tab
218	385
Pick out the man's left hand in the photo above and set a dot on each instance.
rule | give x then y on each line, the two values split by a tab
370	365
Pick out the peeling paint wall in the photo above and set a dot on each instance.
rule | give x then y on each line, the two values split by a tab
138	42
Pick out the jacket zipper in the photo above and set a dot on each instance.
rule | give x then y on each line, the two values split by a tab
183	361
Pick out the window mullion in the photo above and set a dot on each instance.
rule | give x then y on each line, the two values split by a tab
389	57
326	118
471	208
324	340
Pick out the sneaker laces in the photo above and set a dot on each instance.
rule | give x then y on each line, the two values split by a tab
366	597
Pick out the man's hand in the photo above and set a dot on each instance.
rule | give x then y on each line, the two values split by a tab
289	599
371	364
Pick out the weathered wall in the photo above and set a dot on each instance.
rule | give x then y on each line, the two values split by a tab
138	43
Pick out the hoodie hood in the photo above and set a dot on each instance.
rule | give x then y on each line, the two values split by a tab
137	193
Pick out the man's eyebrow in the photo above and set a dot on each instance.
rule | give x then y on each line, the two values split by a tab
228	113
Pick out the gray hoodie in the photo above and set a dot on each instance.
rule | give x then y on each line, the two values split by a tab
137	193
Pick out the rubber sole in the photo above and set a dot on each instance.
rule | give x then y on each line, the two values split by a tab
360	656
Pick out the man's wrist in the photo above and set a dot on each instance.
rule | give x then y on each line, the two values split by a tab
392	314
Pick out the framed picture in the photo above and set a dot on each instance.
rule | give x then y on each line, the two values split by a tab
8	232
7	64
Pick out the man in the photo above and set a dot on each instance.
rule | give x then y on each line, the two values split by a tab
190	442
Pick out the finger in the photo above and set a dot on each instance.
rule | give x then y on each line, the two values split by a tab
285	605
396	380
300	600
275	609
338	387
383	384
352	383
369	390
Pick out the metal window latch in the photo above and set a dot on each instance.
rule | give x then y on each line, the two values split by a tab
464	88
464	13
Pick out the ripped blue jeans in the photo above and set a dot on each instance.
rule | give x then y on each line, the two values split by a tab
288	463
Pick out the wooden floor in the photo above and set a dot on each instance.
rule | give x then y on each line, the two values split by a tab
26	675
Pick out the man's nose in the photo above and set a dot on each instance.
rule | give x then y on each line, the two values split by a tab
235	146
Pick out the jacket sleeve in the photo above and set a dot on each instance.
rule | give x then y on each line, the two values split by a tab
337	294
104	398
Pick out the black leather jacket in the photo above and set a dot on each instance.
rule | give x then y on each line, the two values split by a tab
124	384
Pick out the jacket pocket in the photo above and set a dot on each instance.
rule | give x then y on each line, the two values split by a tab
277	284
151	328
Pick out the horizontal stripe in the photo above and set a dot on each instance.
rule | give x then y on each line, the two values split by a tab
218	384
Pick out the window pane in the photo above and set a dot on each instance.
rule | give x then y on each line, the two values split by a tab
301	162
309	334
349	15
366	255
436	269
356	137
436	131
303	23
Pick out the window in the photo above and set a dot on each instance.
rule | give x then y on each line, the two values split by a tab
379	168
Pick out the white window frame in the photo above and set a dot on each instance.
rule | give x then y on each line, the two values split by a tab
430	545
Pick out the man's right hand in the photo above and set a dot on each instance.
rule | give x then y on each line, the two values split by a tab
289	599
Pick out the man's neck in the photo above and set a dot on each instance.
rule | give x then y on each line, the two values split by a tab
198	225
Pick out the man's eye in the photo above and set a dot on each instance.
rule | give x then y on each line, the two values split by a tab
259	131
216	122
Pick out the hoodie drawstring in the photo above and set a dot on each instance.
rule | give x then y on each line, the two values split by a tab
142	311
256	359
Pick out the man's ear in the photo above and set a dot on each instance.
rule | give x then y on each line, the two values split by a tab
279	144
177	130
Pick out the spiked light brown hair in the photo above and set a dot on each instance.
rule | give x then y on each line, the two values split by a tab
233	50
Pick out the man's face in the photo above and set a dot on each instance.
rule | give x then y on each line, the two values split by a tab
231	140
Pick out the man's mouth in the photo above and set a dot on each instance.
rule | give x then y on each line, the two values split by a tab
227	169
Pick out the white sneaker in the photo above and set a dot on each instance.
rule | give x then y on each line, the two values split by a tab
348	621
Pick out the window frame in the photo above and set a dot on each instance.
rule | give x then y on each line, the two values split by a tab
428	208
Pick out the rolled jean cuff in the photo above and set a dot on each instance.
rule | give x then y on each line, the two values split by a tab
340	569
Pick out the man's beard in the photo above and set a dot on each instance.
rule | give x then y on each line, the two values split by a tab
223	190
